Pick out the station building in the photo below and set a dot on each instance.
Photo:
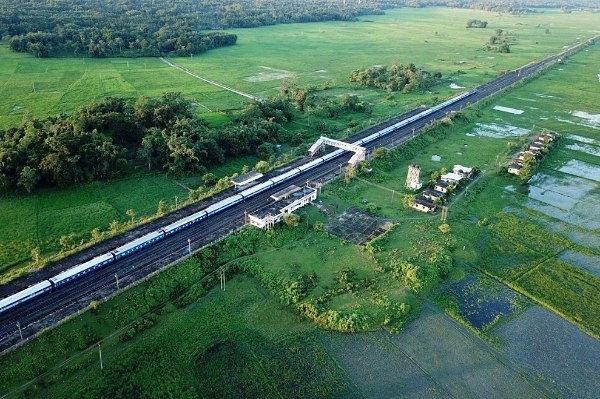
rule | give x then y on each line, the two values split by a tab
284	201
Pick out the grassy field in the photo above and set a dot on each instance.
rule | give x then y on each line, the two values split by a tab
317	54
501	236
320	54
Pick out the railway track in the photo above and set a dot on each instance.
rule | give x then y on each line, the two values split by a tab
47	310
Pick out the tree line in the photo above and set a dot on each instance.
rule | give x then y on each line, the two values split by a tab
105	139
132	28
397	78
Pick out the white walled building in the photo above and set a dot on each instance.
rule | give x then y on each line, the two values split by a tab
285	201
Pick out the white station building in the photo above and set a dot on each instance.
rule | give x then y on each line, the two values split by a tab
284	201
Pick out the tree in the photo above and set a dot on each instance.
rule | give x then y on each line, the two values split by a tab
96	235
28	178
162	208
408	200
209	178
528	167
262	167
291	219
131	214
350	173
35	256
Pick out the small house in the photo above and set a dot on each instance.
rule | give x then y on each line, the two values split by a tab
442	186
424	205
515	169
432	194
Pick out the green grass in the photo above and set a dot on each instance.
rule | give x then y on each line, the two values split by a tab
317	54
275	347
274	353
41	220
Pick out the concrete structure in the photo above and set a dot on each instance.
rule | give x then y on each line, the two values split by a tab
412	179
289	199
360	153
464	171
451	178
246	178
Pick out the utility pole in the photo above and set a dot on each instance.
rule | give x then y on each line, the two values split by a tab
189	246
117	278
100	355
222	273
20	332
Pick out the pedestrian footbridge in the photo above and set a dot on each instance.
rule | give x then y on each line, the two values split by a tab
359	152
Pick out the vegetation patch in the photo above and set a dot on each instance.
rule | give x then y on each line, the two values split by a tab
480	301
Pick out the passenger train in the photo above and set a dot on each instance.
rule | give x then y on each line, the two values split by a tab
77	271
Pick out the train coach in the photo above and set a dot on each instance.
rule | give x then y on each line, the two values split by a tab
81	269
25	295
68	275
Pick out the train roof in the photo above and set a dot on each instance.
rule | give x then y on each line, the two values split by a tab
24	293
81	267
136	242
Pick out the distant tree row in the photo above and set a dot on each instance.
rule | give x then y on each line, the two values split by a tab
402	78
131	28
98	42
149	28
102	140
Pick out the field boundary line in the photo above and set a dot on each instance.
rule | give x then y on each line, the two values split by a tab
212	82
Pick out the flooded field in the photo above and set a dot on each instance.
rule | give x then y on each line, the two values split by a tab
589	263
482	302
582	169
564	358
433	357
498	131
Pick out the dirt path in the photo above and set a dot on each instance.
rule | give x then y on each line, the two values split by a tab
212	82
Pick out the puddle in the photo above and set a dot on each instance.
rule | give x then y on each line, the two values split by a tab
594	119
586	125
455	86
581	139
580	236
576	216
585	148
589	263
273	74
482	301
582	169
509	110
494	130
552	198
574	187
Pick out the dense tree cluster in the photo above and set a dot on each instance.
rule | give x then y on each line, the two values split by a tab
498	42
509	6
149	28
102	140
131	28
103	42
476	23
402	78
